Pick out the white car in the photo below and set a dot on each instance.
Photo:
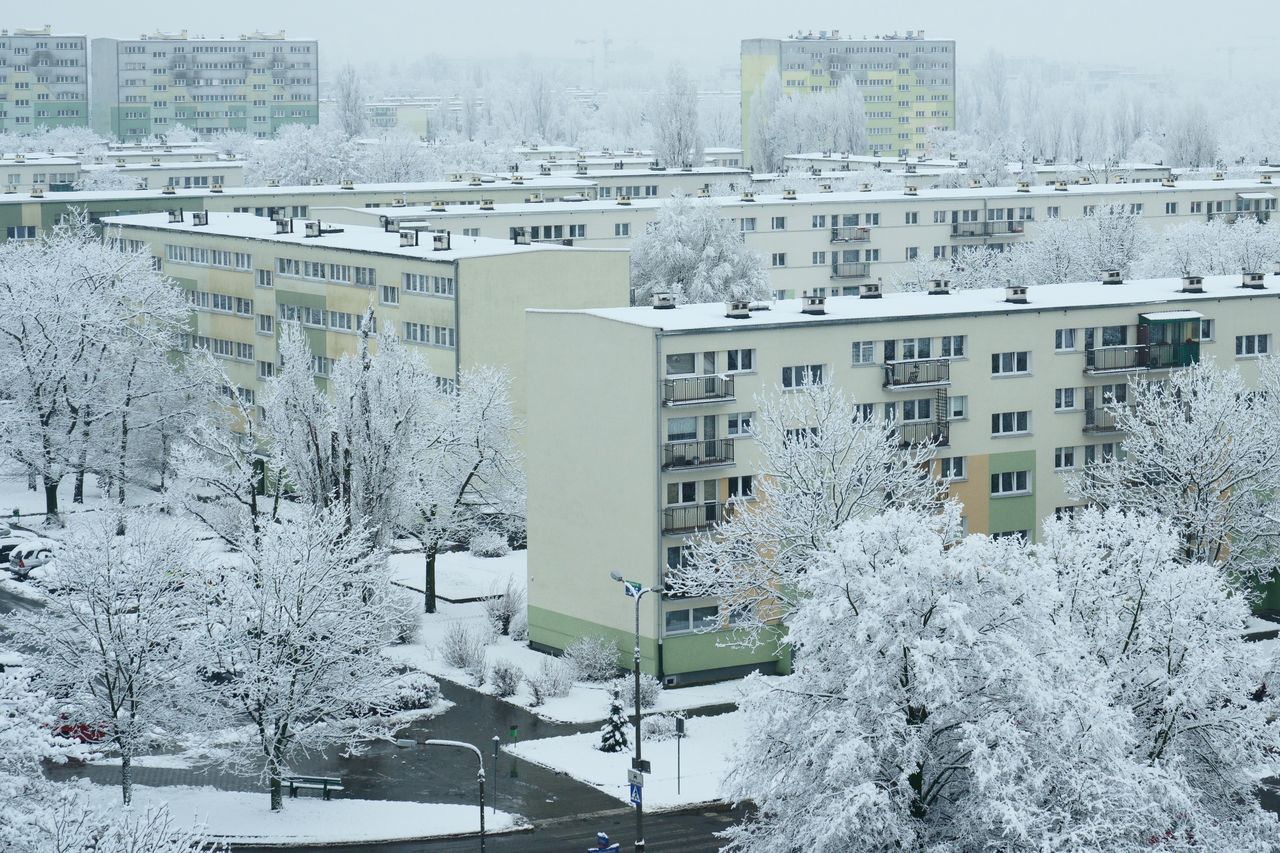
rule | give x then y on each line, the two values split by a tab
30	555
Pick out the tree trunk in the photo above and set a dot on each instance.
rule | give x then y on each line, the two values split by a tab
126	776
429	581
51	502
122	463
277	793
77	496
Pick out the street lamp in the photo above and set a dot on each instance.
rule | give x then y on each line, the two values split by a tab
404	742
637	593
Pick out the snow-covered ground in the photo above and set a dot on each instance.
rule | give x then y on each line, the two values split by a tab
247	818
704	754
460	575
14	494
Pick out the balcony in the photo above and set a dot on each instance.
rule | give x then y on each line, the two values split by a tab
697	389
923	432
995	228
690	519
850	234
1231	217
1101	420
913	374
697	454
1141	357
851	270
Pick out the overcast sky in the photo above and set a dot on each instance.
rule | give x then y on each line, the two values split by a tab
1151	35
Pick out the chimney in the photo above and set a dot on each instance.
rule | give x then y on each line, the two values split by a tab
910	189
788	195
824	188
1112	277
437	205
348	185
176	215
864	187
624	200
313	228
663	301
199	217
440	241
1265	179
939	287
814	304
408	238
737	309
1016	293
1253	281
1060	186
1168	182
1192	284
870	290
1024	187
486	204
748	196
1218	176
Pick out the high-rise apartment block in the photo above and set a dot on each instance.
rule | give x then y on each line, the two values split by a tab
908	82
255	84
44	80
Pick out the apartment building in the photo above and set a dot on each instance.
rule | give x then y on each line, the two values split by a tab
460	299
908	82
44	80
927	170
27	210
204	174
255	84
45	172
832	243
639	423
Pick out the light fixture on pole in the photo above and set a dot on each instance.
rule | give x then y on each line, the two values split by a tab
637	591
407	742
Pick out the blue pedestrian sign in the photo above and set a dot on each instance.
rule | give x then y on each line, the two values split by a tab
635	795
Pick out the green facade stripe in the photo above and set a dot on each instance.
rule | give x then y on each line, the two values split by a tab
1013	513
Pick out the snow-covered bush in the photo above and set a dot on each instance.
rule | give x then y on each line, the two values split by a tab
489	543
415	691
520	628
463	647
658	726
505	678
406	622
650	689
503	605
554	678
593	658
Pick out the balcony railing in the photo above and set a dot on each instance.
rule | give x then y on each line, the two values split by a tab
688	519
923	432
850	234
697	454
696	389
851	270
1141	357
993	228
908	374
1101	420
1231	217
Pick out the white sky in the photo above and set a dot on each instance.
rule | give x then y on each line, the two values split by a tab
1165	36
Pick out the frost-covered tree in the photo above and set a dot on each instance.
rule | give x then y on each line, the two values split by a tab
766	126
613	734
1087	694
104	178
295	632
1202	451
824	460
676	140
1212	248
694	253
111	644
303	154
397	157
348	93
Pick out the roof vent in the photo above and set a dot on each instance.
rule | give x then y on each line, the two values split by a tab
1085	179
167	190
37	192
910	189
1060	186
624	199
748	196
1253	281
1192	284
1024	187
398	201
544	169
155	161
486	204
272	182
1112	277
864	187
520	236
703	192
199	217
939	287
1168	182
1265	179
216	188
475	181
313	228
1016	293
437	205
517	179
535	198
618	165
813	304
974	183
582	169
1218	176
348	185
824	188
738	309
455	176
175	215
440	241
663	301
284	225
19	158
871	290
788	195
408	238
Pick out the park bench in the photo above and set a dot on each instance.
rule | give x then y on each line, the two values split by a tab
324	784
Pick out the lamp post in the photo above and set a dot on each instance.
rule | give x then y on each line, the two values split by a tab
403	742
637	594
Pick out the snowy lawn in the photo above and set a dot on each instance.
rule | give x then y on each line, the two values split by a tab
704	754
585	703
14	494
243	818
459	575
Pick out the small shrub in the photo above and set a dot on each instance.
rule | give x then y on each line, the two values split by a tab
415	691
520	628
650	689
613	734
406	610
503	605
505	678
489	543
553	678
594	658
463	647
478	669
657	727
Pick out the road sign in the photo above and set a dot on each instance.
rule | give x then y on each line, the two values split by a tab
635	777
642	765
635	795
632	588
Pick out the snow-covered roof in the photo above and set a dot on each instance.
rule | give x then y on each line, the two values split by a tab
167	164
710	317
355	238
1172	315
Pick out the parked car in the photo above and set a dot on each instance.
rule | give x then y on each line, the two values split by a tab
29	555
5	529
83	732
11	541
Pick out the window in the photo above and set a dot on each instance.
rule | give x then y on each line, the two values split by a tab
1206	330
622	229
444	336
864	352
819	259
578	232
952	467
1064	399
682	493
740	423
1010	483
681	364
390	295
742	487
1197	207
1053	212
1064	458
21	232
682	429
1171	207
1010	362
953	346
321	365
917	410
741	360
912	349
912	217
778	259
1115	336
819	221
747	223
801	375
912	252
778	223
418	333
1247	345
1010	423
414	282
692	619
266	369
958	407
